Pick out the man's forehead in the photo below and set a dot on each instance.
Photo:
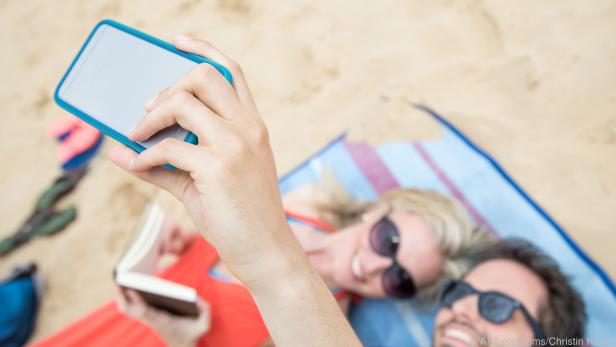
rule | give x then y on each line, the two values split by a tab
498	273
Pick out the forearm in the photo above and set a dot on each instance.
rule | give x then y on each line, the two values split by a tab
297	306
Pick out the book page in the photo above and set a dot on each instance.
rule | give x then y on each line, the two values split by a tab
143	254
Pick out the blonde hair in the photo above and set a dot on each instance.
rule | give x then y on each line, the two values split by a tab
456	236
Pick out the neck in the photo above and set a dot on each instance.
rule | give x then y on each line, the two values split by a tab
319	248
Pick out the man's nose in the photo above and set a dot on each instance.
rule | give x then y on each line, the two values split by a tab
467	307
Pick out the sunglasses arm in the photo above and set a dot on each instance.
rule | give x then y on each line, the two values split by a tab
533	323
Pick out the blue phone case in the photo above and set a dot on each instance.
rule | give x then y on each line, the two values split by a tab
191	138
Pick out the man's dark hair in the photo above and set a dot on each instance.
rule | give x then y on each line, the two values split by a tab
564	315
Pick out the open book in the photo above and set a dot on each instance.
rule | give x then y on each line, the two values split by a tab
136	270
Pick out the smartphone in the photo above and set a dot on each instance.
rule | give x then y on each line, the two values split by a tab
116	71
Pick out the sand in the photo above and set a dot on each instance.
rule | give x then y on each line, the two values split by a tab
533	82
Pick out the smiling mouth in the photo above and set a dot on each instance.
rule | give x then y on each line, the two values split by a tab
461	336
356	269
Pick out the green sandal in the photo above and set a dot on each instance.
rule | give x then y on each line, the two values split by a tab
44	221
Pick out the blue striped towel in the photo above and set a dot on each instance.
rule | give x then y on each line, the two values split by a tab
455	166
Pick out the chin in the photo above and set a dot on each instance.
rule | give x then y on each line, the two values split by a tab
339	281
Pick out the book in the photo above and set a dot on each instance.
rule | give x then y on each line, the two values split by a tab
137	268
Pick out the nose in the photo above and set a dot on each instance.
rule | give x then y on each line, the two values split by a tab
373	264
467	307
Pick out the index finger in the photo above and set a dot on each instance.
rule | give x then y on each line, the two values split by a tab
209	86
205	49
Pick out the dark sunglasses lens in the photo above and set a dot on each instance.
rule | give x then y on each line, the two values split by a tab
384	238
398	283
495	307
455	291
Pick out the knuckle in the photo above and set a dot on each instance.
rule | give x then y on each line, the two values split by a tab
182	97
220	167
166	145
238	149
204	45
206	71
234	67
163	93
258	135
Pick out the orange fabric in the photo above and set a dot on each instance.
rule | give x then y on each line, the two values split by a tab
310	221
235	318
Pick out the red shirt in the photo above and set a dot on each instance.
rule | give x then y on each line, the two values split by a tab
234	315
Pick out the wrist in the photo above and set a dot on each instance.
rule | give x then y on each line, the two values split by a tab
296	290
286	278
283	265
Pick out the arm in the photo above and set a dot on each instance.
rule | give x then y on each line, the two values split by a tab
297	306
228	184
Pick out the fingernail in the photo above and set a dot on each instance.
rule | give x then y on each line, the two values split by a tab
150	102
134	133
131	164
182	37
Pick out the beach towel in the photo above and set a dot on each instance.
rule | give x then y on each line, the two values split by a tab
455	166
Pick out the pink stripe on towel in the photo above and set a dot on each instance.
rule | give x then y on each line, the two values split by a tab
382	180
372	166
453	189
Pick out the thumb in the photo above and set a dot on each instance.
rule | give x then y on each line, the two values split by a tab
204	319
174	182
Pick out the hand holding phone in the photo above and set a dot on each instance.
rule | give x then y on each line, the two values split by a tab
228	181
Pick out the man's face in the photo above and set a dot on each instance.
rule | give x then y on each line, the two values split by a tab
462	325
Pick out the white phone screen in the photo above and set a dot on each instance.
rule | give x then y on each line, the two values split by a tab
116	74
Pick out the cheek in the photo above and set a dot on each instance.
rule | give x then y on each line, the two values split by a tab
444	315
512	331
369	291
376	287
363	239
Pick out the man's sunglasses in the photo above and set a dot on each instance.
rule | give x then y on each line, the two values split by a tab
493	306
384	240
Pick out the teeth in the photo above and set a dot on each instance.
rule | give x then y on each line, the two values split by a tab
460	335
356	267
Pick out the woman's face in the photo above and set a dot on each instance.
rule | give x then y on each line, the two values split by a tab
359	269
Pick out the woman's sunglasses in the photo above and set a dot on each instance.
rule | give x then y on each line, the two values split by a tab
384	240
494	306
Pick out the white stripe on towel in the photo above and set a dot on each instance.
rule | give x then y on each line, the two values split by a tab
412	323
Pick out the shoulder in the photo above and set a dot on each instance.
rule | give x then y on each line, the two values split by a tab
305	199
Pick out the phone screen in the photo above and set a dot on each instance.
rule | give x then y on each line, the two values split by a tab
116	74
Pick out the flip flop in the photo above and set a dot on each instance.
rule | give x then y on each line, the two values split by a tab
83	158
42	223
61	186
45	221
79	141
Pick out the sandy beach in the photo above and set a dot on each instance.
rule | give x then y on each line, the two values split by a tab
532	82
